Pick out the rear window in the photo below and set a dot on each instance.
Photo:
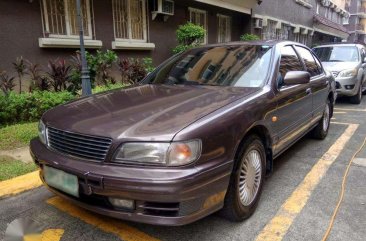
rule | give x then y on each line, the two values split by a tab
238	66
337	54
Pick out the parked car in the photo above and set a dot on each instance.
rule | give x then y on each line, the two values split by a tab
347	62
196	136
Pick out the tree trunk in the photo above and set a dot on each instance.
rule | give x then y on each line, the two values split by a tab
20	83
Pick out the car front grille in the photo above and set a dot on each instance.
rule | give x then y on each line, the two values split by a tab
83	146
335	74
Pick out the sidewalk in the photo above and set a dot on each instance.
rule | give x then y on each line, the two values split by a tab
21	154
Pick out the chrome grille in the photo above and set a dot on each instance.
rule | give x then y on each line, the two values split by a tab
78	145
335	74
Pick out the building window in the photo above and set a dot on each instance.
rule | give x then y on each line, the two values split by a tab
303	38
199	17
129	20
270	31
345	20
60	18
284	32
224	28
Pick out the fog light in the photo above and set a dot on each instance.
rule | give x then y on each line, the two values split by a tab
349	87
122	203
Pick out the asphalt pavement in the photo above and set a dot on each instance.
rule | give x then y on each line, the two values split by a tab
297	202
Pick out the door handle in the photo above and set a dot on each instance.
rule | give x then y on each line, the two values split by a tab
308	91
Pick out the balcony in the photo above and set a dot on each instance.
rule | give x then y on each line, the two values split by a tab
360	28
361	12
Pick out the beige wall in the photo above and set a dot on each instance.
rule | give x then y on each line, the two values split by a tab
244	6
340	3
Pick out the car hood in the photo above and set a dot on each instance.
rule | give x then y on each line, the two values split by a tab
148	112
339	66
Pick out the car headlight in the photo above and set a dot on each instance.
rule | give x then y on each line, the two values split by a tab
167	154
348	73
42	132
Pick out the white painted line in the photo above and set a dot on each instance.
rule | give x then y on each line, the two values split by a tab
360	162
347	109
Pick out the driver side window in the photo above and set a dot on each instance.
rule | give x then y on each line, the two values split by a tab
289	62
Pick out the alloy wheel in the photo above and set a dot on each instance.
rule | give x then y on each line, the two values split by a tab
250	177
326	118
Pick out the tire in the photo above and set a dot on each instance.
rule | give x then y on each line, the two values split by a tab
357	98
321	130
240	205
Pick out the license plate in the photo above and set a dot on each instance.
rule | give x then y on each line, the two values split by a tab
61	180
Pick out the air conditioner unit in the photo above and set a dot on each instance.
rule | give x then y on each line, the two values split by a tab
325	3
165	7
258	23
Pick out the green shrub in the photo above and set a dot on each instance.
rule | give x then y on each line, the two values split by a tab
6	82
100	64
27	107
181	48
132	70
189	35
103	88
249	37
148	62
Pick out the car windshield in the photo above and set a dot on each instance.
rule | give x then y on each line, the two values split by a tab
337	54
238	66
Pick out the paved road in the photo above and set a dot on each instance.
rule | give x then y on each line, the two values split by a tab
297	202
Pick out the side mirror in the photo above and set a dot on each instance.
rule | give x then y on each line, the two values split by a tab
296	78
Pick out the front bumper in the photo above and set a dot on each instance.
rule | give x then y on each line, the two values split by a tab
163	196
341	84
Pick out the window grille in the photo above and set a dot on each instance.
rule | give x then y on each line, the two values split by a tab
224	29
60	18
129	18
199	17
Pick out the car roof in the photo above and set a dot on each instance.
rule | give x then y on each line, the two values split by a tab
256	42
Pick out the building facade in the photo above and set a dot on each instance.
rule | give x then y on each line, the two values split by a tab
310	22
40	30
357	22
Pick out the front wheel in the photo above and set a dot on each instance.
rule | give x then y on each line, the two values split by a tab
246	181
321	130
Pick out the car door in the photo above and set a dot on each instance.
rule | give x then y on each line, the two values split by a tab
294	103
318	81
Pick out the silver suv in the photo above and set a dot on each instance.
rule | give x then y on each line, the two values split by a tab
347	63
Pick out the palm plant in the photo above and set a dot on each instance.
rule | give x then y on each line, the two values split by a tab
6	82
38	80
20	67
132	70
60	74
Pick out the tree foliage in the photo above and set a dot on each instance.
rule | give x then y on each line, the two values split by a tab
189	35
